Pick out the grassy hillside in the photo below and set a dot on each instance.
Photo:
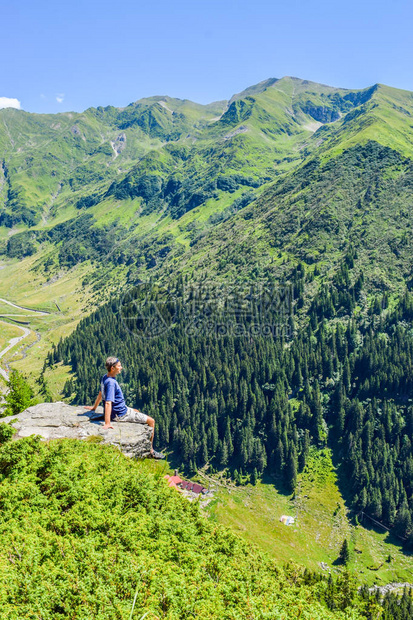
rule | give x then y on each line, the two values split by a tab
322	522
361	199
171	169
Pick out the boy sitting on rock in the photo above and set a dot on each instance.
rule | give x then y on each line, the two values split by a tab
114	404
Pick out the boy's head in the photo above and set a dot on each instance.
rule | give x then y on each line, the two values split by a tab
111	362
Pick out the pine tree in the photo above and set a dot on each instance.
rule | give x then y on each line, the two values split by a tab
403	521
223	454
346	589
20	394
203	452
304	450
362	500
44	389
279	458
344	555
291	470
330	593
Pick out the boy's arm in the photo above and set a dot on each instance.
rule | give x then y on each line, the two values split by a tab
108	411
97	401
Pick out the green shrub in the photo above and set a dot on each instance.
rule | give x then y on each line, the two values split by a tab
86	533
6	432
19	396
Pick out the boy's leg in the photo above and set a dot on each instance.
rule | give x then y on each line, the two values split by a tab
151	422
133	415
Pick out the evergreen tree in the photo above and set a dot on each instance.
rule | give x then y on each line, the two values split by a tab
19	396
44	389
344	555
223	454
305	449
403	521
291	470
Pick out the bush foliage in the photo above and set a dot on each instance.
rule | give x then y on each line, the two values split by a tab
83	530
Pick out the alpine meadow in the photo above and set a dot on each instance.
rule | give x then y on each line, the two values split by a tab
250	262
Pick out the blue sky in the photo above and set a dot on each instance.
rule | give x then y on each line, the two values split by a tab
59	56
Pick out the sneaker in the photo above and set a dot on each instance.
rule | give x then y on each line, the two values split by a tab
157	455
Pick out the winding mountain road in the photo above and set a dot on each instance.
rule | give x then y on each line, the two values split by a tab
26	331
10	303
12	343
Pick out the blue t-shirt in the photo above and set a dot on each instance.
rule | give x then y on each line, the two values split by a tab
111	391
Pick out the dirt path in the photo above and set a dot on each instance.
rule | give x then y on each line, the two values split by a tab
10	303
26	331
12	343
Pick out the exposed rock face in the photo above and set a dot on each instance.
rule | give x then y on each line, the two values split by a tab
119	144
59	420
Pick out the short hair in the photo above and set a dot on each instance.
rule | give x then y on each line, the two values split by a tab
110	362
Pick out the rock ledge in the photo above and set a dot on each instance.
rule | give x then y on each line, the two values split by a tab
59	420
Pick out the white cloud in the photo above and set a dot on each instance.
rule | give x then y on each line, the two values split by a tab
8	102
60	97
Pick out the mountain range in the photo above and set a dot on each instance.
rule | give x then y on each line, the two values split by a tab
141	169
286	171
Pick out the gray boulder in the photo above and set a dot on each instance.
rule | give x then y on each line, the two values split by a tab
59	420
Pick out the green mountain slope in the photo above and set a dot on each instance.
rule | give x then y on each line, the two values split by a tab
385	116
361	198
321	523
54	165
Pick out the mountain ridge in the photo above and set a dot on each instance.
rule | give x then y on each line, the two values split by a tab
252	89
